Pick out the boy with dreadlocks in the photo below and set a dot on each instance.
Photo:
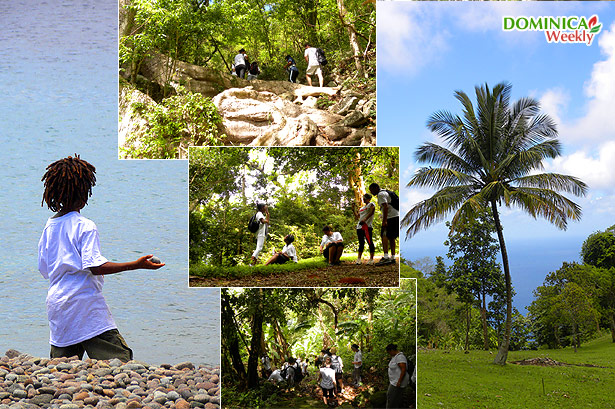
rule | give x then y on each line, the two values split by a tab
69	256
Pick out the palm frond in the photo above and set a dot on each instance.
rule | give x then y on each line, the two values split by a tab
438	178
435	209
441	156
554	181
550	205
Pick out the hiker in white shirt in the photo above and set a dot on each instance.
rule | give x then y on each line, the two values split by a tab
263	219
313	65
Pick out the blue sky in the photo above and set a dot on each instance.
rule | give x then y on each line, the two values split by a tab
427	50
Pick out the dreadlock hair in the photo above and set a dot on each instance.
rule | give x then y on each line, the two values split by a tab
68	183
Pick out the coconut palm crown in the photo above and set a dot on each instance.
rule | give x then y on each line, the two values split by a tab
492	156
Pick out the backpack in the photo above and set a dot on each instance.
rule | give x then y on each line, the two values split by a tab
320	56
394	199
253	224
298	374
335	364
254	68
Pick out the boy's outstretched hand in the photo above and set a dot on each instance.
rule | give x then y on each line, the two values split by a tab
112	268
147	262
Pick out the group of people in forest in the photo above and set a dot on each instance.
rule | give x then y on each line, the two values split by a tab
313	56
332	243
331	370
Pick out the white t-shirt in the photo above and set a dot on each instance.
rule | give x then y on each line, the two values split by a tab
363	212
395	370
276	376
383	197
358	357
328	378
336	236
76	308
240	59
262	227
290	251
311	54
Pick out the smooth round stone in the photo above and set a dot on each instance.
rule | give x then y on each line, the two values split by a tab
173	396
155	260
20	393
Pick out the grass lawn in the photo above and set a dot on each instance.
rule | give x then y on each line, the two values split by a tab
312	272
457	380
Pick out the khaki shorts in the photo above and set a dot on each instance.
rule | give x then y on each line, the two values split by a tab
108	345
314	69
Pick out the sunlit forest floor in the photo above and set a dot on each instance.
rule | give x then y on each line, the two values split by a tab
583	379
313	274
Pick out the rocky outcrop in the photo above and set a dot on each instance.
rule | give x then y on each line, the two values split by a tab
267	113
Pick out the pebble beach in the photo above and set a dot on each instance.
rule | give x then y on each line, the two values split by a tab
70	383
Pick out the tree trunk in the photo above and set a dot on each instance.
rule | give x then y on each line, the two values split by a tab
230	337
483	317
355	179
502	355
255	343
352	38
613	326
468	310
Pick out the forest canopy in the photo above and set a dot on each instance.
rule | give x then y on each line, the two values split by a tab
305	188
209	33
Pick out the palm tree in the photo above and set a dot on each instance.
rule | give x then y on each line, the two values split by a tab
493	151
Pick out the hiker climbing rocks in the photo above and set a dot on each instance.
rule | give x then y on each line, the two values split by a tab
315	59
241	64
291	68
253	71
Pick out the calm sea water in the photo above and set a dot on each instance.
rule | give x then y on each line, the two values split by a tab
58	76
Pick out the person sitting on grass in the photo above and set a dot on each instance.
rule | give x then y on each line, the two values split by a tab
332	246
288	252
326	378
69	256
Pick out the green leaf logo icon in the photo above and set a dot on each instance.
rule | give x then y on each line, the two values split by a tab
596	29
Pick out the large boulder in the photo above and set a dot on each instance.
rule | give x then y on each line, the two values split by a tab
262	118
132	124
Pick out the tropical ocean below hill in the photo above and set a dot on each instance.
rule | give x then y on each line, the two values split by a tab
58	71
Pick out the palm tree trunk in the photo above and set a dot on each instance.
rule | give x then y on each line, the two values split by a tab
467	346
502	355
483	316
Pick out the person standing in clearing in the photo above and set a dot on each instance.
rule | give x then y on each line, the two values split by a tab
326	378
262	216
314	67
398	377
69	256
390	224
358	363
365	229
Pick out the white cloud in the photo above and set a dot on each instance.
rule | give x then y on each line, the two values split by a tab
597	169
553	102
409	37
598	123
